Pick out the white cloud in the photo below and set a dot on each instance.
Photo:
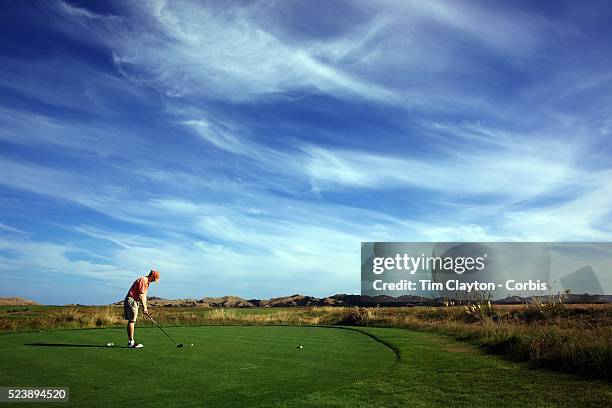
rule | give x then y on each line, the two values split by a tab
96	139
205	248
583	218
82	86
212	218
455	167
507	31
77	12
51	258
221	138
36	178
11	229
187	49
411	54
502	173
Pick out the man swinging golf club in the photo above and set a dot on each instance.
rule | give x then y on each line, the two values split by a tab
137	293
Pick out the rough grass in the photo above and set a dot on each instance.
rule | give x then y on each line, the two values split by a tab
570	338
580	344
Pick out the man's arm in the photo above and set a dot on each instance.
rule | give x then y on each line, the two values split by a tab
143	300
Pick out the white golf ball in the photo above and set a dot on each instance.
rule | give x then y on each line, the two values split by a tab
191	344
109	344
301	346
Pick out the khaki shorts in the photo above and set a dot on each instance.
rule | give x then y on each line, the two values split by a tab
130	309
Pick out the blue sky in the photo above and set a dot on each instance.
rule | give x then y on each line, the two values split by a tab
247	148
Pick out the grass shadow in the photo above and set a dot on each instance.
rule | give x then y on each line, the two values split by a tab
63	345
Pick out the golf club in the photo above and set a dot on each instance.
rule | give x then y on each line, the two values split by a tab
178	345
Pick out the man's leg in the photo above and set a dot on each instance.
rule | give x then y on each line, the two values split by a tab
130	330
131	314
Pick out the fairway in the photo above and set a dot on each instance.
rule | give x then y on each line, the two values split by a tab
228	366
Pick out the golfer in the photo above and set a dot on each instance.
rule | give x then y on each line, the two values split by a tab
137	293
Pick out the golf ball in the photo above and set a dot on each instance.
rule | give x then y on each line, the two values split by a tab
300	346
191	344
109	344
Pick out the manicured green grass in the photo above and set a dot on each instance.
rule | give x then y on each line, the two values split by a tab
261	366
227	367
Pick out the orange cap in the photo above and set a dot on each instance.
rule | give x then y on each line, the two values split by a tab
155	274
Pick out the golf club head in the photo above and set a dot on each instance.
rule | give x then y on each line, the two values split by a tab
180	345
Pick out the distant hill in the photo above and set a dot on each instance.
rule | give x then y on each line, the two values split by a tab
569	298
346	300
295	300
225	301
17	301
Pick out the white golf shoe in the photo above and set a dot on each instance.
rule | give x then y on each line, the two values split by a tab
133	344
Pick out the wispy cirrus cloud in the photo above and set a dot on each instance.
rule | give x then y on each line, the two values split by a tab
508	32
248	148
8	228
235	53
459	175
224	53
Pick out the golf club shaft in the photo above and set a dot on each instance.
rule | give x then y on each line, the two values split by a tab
162	329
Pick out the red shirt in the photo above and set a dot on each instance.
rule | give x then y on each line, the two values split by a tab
140	286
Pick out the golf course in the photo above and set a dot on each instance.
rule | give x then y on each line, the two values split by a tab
238	366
